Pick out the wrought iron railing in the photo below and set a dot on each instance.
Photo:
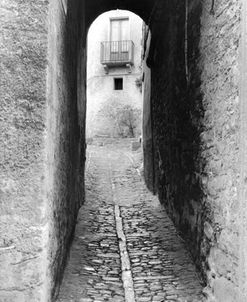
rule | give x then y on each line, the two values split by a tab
115	53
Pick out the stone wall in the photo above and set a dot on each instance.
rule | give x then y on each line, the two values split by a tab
219	45
23	223
65	138
195	109
42	143
147	118
196	131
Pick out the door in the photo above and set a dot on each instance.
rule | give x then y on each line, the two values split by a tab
119	37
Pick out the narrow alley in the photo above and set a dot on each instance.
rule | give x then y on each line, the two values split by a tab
125	246
171	71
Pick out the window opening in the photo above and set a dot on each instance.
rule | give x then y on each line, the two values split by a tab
118	84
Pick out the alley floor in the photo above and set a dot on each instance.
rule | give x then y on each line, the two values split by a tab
125	247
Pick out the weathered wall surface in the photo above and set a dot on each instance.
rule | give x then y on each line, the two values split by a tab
147	118
196	131
42	143
219	48
23	224
100	86
101	98
65	137
196	135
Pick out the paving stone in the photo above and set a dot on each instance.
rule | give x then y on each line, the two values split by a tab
161	267
144	299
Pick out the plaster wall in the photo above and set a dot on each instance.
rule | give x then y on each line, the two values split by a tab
196	121
42	113
23	208
147	119
100	86
66	126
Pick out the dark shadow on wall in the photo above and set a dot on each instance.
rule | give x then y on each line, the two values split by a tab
67	130
177	118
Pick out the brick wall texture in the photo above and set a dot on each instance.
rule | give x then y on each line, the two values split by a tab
195	116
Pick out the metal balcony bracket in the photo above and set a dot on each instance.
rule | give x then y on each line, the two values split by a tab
129	67
106	68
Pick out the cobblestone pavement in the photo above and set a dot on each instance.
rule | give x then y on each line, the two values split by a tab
121	218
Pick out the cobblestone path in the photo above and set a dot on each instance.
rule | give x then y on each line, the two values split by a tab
125	246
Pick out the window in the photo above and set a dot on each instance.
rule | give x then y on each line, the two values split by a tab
119	36
118	84
119	29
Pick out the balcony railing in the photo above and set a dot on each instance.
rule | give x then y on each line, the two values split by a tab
117	53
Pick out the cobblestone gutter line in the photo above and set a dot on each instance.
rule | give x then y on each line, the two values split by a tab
125	261
127	279
125	247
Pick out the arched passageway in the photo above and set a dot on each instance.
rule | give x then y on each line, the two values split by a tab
125	247
196	149
114	73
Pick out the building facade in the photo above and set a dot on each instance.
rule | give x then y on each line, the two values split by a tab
114	73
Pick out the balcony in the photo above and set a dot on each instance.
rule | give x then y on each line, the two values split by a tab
117	53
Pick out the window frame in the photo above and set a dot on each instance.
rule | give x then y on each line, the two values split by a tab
120	83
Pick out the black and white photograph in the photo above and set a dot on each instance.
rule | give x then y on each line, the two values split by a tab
123	150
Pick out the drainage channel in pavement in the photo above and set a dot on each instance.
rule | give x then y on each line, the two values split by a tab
126	248
128	284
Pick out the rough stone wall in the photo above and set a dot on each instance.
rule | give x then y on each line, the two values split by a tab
147	118
196	124
23	224
42	113
219	46
196	131
65	138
